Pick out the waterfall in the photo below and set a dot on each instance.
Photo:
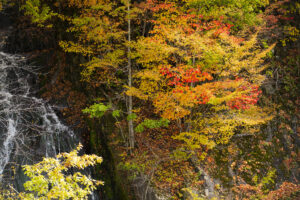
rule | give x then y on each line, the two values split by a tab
29	127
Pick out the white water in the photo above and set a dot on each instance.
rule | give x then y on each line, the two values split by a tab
28	125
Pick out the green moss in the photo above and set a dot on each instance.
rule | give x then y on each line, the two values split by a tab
114	184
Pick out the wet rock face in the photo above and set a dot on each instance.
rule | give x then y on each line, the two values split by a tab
5	28
19	35
4	20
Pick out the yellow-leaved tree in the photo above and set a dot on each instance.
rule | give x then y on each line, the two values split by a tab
54	178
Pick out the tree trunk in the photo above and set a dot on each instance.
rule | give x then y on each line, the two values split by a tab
130	122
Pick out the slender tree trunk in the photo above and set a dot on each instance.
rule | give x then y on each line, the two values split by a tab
188	125
130	122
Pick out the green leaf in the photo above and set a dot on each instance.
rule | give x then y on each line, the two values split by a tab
116	113
96	110
139	128
131	117
150	123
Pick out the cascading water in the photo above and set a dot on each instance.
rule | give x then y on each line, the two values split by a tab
29	127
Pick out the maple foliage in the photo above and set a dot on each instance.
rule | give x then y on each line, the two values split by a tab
179	67
245	101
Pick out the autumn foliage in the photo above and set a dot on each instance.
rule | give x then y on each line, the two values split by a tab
199	77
